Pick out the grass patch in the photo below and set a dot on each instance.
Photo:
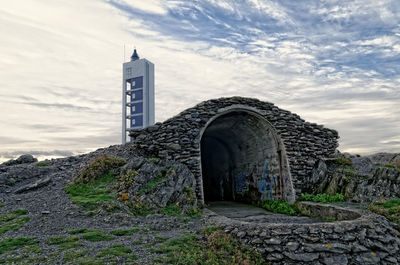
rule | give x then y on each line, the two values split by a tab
322	198
211	247
172	210
57	240
117	251
5	217
278	206
73	255
137	242
390	166
390	209
343	161
13	220
43	164
8	244
93	194
96	235
78	231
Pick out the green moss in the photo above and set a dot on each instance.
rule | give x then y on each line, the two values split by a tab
8	244
215	247
93	194
278	206
322	198
390	166
96	235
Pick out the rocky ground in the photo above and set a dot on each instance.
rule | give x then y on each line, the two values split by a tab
36	210
38	188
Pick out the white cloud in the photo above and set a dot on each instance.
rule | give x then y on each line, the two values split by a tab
152	6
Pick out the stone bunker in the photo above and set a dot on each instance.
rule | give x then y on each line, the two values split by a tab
240	149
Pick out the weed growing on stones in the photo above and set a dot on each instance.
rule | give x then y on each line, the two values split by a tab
278	206
98	167
322	198
343	161
43	164
390	209
210	246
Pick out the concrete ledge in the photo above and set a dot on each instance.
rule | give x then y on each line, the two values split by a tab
327	211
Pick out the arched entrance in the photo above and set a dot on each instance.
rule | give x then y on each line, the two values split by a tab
242	159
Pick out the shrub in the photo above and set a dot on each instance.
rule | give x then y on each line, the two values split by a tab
98	167
390	209
322	198
43	164
343	161
127	180
212	246
278	206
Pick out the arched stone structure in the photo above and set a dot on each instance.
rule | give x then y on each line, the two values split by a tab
243	159
300	143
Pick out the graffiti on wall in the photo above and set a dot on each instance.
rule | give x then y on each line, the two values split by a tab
267	184
241	184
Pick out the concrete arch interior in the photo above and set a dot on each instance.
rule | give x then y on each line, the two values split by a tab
240	159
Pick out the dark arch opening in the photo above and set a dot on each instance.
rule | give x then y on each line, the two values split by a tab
240	159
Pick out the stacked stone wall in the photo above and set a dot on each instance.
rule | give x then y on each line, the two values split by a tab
370	239
178	138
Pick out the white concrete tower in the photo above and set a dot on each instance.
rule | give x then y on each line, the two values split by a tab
137	95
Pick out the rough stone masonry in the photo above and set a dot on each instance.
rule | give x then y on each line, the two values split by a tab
264	152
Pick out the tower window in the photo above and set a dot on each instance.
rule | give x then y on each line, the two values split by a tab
133	108
129	70
133	121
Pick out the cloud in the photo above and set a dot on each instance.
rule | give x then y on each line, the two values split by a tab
332	62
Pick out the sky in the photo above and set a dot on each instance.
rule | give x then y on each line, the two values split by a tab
333	62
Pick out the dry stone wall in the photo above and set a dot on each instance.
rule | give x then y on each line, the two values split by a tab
179	137
369	239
